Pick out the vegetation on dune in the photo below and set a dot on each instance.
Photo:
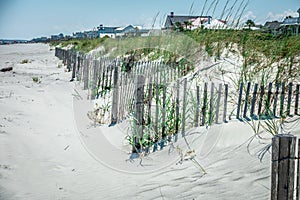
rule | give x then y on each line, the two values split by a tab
82	45
265	59
249	42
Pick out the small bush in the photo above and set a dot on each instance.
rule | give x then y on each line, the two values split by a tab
25	61
36	79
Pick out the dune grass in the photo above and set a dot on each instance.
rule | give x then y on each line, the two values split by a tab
82	45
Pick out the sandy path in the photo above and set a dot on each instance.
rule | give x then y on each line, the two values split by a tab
42	157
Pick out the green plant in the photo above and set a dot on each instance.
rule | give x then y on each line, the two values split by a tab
36	79
25	61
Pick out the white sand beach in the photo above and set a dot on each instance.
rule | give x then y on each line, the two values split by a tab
47	150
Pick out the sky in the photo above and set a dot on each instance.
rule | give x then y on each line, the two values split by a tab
27	19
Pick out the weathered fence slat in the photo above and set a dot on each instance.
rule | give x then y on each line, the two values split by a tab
103	73
289	99
239	100
184	106
298	172
218	103
197	106
150	90
86	74
261	99
268	101
115	99
156	99
225	102
253	102
94	80
120	96
139	109
246	100
282	99
275	99
73	67
297	99
163	121
211	103
204	106
177	107
78	67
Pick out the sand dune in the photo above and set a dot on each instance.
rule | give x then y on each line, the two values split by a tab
49	151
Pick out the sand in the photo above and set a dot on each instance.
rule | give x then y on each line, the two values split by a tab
50	150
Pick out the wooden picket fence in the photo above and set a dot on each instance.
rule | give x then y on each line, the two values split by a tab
162	101
277	100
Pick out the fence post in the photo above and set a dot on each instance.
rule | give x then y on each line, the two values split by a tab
289	99
246	100
115	99
86	74
298	172
283	167
297	99
261	99
150	91
254	94
163	120
268	101
282	99
184	106
139	110
218	103
239	100
78	67
177	109
94	89
211	103
275	99
69	60
225	102
197	106
204	106
73	66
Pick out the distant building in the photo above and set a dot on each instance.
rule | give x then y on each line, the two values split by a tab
185	21
57	37
114	32
127	30
272	27
291	25
91	34
106	31
79	35
40	39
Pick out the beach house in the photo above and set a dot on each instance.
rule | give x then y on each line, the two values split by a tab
188	22
291	25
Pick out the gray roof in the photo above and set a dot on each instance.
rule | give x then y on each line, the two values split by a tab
272	25
171	20
107	30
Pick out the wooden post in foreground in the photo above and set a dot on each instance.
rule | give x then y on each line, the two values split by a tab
115	99
138	110
283	167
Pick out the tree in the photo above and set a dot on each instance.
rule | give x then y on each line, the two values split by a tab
187	24
178	26
250	23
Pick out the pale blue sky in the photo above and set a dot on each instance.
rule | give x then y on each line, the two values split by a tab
25	19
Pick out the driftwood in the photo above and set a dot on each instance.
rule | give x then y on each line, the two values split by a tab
6	69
